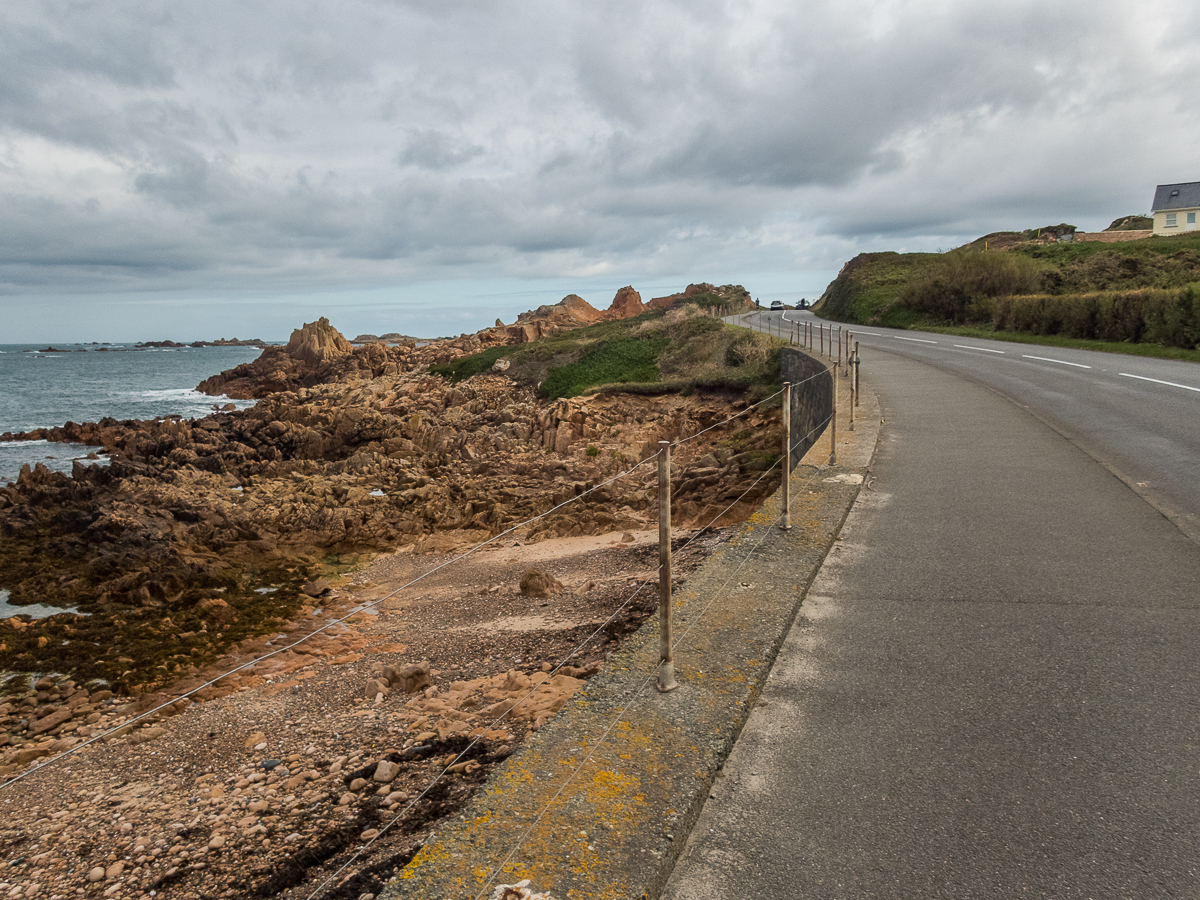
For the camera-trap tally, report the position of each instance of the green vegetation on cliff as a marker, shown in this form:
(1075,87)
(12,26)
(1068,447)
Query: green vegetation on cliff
(676,350)
(1134,291)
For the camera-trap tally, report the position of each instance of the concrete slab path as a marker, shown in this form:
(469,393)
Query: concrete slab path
(992,689)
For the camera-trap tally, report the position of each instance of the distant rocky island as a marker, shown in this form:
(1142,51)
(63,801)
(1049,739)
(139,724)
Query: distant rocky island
(157,345)
(390,338)
(220,342)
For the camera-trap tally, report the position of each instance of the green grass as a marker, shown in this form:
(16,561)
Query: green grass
(621,360)
(657,352)
(973,288)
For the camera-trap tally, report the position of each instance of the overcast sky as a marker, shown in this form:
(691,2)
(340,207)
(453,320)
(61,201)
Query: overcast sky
(200,169)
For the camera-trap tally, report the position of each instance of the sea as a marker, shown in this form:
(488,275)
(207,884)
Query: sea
(86,382)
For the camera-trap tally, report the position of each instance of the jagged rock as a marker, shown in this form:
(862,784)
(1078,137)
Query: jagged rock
(317,343)
(627,303)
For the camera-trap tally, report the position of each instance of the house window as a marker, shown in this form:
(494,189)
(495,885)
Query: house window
(1171,220)
(1191,219)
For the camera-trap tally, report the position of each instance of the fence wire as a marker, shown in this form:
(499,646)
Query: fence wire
(641,687)
(335,622)
(499,720)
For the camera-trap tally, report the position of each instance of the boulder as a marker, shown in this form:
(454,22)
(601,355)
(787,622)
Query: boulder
(411,678)
(536,583)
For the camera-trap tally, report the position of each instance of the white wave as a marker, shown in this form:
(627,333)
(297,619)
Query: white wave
(169,394)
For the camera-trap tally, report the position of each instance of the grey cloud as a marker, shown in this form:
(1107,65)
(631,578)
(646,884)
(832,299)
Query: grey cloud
(432,149)
(250,142)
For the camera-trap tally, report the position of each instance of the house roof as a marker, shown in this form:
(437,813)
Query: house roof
(1177,196)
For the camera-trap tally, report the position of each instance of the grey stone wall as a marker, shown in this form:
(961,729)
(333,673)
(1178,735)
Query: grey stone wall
(812,399)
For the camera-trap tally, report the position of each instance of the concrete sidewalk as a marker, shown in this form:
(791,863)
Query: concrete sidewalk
(599,803)
(993,689)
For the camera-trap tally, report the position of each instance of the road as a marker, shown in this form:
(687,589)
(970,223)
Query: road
(992,689)
(1137,416)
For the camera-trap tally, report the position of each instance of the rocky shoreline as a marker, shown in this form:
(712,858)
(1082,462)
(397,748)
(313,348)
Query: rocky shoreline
(320,757)
(207,544)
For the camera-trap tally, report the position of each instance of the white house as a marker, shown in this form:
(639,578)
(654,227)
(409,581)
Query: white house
(1175,207)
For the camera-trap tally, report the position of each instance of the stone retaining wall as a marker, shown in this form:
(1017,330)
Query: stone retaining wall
(812,399)
(1112,237)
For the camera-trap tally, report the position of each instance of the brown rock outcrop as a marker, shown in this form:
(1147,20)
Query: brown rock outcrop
(318,343)
(626,304)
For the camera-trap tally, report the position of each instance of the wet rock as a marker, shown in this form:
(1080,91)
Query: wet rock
(316,588)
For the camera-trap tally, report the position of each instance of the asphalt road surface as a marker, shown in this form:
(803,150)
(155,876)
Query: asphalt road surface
(993,688)
(1138,416)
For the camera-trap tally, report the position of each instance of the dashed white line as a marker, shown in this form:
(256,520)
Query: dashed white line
(983,349)
(1061,362)
(865,334)
(915,340)
(1157,381)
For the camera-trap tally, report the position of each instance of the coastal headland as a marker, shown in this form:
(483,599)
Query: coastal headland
(209,543)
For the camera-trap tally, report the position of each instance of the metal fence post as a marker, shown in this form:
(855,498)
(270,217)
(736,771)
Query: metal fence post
(857,363)
(849,372)
(666,661)
(786,524)
(833,421)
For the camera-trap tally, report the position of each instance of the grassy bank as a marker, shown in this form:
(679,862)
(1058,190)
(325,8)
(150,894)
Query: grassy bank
(673,351)
(1137,292)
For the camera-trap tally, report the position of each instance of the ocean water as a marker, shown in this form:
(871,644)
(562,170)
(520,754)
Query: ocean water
(85,384)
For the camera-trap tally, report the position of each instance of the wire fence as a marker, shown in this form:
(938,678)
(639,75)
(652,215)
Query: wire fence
(448,767)
(124,726)
(640,688)
(501,718)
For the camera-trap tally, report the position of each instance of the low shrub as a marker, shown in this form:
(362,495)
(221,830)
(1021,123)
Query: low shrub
(961,286)
(1167,317)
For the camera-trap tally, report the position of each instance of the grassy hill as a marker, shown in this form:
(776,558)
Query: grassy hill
(679,349)
(1135,291)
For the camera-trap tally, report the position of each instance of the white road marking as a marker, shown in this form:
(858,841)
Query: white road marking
(866,334)
(1061,362)
(1156,381)
(984,349)
(914,340)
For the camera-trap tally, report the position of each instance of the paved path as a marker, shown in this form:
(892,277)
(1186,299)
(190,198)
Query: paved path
(993,689)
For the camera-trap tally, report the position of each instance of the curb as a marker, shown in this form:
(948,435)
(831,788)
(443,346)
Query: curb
(599,803)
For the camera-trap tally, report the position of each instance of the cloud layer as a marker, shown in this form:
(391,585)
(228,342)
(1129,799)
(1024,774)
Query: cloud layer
(306,144)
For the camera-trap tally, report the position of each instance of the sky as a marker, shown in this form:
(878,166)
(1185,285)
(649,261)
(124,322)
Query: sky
(234,168)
